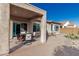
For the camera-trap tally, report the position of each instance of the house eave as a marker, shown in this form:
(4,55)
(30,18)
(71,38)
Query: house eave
(30,7)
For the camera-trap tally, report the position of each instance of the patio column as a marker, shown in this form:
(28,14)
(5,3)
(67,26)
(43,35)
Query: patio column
(4,28)
(53,27)
(30,27)
(59,28)
(43,29)
(11,29)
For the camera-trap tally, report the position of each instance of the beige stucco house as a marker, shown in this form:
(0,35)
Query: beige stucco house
(53,27)
(15,16)
(68,24)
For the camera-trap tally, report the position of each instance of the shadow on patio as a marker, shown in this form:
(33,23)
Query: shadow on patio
(66,51)
(21,44)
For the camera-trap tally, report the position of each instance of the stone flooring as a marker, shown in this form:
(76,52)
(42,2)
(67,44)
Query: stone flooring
(56,46)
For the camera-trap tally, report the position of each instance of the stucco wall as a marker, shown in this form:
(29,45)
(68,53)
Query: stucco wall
(4,28)
(69,30)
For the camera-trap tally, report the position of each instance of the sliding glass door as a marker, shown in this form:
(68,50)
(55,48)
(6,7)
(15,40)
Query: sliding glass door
(16,29)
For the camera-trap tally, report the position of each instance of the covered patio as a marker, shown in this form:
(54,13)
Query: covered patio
(16,18)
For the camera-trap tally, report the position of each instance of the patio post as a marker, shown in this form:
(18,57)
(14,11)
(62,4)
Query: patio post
(4,28)
(43,28)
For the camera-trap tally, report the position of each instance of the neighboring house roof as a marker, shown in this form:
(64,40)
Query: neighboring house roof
(61,23)
(53,22)
(68,23)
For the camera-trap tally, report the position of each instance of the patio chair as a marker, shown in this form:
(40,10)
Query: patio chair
(21,38)
(36,35)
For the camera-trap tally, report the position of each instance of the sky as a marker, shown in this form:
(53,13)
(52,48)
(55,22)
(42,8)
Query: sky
(61,12)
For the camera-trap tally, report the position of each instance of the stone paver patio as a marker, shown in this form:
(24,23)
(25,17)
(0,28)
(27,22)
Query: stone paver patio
(56,45)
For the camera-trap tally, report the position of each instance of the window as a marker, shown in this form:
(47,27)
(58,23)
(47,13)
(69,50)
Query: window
(61,27)
(14,29)
(56,28)
(24,27)
(36,27)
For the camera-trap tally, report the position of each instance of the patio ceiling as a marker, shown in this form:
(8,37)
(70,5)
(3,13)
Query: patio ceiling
(18,12)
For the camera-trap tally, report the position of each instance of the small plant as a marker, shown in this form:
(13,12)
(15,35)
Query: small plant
(76,37)
(72,34)
(65,36)
(72,37)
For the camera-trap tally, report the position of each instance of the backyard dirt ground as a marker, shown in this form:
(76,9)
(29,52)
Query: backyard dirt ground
(56,46)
